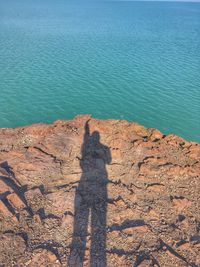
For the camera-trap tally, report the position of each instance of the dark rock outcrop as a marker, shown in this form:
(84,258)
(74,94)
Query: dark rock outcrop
(88,192)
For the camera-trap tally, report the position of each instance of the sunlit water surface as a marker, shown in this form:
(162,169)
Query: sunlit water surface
(138,61)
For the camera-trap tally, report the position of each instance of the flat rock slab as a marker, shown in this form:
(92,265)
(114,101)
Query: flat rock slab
(89,192)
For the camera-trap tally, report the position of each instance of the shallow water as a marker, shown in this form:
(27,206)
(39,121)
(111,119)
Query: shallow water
(138,61)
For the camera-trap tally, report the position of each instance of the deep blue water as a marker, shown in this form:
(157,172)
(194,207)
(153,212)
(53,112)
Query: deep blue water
(138,61)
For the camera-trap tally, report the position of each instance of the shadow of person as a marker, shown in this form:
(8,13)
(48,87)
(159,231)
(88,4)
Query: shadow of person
(91,199)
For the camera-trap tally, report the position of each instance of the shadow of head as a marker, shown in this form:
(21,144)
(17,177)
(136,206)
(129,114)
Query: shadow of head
(96,137)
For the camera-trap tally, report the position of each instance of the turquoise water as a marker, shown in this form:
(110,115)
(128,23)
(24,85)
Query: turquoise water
(138,61)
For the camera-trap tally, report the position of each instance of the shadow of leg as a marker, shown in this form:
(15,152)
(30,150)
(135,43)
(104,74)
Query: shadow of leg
(78,245)
(98,235)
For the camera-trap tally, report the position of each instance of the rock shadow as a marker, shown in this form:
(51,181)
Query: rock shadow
(91,203)
(14,186)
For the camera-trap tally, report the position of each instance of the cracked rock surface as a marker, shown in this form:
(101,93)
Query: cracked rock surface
(89,192)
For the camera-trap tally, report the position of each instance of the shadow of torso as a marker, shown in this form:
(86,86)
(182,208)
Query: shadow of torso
(93,183)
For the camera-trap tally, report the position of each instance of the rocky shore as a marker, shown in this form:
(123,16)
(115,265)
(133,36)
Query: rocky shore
(89,192)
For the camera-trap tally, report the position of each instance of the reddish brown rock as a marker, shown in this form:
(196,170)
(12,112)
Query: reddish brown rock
(180,203)
(15,201)
(44,258)
(98,193)
(4,210)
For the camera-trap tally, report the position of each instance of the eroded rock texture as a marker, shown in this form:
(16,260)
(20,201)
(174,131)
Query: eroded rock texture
(89,192)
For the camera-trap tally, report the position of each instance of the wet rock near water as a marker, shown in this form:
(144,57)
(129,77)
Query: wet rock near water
(89,192)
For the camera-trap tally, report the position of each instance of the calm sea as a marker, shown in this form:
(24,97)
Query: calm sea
(138,61)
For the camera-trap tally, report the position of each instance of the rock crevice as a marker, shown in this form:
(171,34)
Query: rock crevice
(89,192)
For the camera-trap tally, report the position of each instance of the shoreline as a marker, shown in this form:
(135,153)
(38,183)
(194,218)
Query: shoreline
(100,119)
